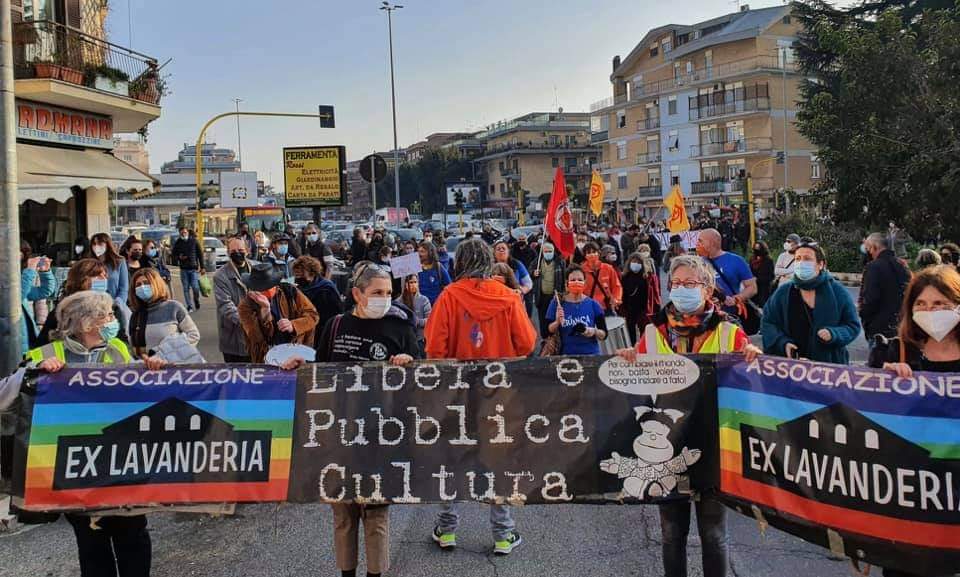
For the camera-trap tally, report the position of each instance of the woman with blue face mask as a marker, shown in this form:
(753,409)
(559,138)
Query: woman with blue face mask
(280,257)
(692,323)
(812,316)
(156,316)
(87,274)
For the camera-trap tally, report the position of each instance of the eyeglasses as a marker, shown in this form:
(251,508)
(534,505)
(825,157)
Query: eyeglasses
(689,284)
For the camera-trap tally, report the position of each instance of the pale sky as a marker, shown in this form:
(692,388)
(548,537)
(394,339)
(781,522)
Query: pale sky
(460,64)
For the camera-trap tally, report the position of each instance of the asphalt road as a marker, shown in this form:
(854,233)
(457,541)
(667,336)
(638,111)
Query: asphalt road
(296,540)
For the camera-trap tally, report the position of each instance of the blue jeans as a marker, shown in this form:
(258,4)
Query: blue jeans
(500,520)
(191,281)
(712,526)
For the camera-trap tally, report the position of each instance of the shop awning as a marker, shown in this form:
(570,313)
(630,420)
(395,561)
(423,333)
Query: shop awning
(46,172)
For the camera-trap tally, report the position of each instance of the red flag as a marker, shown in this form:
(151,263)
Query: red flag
(559,217)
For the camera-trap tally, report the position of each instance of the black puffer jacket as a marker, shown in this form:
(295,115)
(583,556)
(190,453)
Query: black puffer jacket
(884,284)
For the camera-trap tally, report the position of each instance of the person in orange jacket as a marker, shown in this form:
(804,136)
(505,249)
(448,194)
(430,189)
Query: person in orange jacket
(603,282)
(477,317)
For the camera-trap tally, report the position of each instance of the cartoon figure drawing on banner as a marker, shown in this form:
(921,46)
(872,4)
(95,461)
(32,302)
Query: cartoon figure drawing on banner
(655,471)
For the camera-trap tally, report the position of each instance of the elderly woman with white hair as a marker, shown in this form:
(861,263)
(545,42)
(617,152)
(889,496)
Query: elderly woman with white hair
(692,323)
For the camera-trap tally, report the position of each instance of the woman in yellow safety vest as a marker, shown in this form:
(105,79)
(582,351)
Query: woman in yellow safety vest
(692,323)
(88,334)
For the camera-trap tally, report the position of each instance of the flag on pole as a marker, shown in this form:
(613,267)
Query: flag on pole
(678,221)
(596,193)
(559,218)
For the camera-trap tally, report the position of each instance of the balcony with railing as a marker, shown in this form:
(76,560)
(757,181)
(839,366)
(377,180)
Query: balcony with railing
(510,172)
(59,65)
(746,99)
(649,123)
(599,137)
(740,146)
(639,92)
(651,157)
(539,146)
(651,191)
(577,170)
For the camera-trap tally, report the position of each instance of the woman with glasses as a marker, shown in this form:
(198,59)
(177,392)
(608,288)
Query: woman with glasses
(692,323)
(812,316)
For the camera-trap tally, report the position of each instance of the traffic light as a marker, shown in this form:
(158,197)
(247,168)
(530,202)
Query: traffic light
(458,199)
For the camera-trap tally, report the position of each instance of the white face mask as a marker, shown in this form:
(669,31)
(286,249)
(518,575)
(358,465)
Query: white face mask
(787,246)
(377,307)
(78,249)
(99,249)
(937,324)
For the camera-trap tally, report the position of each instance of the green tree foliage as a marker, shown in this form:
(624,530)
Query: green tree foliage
(882,105)
(424,181)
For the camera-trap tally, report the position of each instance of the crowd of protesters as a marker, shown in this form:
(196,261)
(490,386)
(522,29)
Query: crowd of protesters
(498,296)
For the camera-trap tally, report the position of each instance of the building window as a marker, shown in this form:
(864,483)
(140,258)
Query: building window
(621,181)
(676,71)
(673,141)
(621,118)
(502,166)
(145,424)
(554,162)
(813,429)
(621,150)
(653,177)
(871,439)
(786,19)
(493,189)
(667,44)
(840,435)
(672,105)
(503,188)
(674,175)
(735,168)
(654,50)
(170,423)
(814,167)
(710,171)
(593,160)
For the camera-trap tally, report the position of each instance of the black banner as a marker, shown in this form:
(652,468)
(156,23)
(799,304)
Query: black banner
(546,430)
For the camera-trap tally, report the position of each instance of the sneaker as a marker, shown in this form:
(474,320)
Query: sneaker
(445,540)
(506,546)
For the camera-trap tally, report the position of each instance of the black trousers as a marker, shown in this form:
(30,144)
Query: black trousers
(543,303)
(228,358)
(119,548)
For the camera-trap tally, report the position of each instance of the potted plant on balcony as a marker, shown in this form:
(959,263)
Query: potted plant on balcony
(68,73)
(108,79)
(46,69)
(148,87)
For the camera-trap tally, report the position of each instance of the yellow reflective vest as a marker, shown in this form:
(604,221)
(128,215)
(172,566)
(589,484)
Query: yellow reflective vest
(115,354)
(722,340)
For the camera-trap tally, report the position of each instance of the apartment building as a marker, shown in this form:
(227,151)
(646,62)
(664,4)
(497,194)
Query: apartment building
(75,91)
(523,154)
(132,152)
(461,144)
(701,105)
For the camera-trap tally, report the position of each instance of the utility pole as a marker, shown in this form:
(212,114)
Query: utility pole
(237,101)
(10,307)
(389,8)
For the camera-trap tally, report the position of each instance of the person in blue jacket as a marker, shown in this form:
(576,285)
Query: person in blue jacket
(33,268)
(118,280)
(434,277)
(812,316)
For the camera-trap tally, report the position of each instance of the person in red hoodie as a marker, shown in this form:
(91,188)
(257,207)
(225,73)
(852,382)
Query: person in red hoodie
(603,282)
(477,317)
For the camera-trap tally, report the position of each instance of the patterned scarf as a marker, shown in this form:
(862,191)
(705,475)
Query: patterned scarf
(683,330)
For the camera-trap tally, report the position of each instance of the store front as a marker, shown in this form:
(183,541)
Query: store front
(66,176)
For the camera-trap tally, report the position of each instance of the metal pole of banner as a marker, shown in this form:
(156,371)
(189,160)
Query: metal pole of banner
(10,307)
(786,159)
(199,149)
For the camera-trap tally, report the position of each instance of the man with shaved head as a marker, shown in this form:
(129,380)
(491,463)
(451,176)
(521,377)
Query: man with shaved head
(733,275)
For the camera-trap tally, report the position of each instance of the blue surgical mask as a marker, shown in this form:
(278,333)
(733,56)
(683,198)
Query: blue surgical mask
(110,330)
(636,267)
(99,285)
(313,237)
(548,256)
(144,292)
(282,249)
(805,270)
(686,300)
(863,249)
(152,252)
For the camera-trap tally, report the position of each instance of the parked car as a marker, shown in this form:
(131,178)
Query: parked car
(212,247)
(405,234)
(526,231)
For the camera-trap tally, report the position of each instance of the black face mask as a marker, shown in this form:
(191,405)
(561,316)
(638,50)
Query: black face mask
(135,255)
(238,257)
(301,282)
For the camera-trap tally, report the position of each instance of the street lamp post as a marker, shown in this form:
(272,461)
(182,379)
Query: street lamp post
(237,101)
(389,8)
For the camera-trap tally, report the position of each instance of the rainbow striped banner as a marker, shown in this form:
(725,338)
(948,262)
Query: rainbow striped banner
(105,437)
(851,458)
